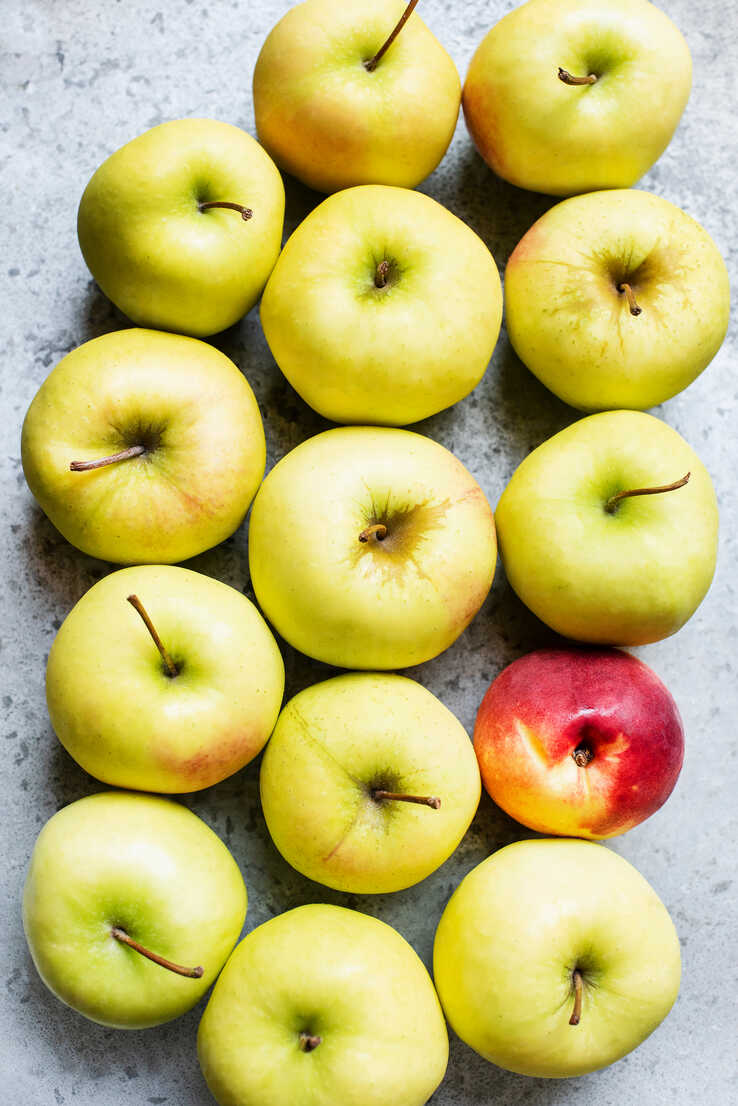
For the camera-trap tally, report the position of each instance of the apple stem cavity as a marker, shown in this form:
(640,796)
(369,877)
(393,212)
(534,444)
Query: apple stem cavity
(372,64)
(424,800)
(308,1042)
(568,78)
(635,310)
(246,212)
(614,500)
(378,531)
(138,605)
(122,936)
(576,1013)
(124,455)
(380,276)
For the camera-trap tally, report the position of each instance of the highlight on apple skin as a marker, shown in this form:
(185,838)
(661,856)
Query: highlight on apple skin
(579,742)
(323,1005)
(371,547)
(555,957)
(181,226)
(608,530)
(144,447)
(163,679)
(616,299)
(383,307)
(368,783)
(131,907)
(570,96)
(334,113)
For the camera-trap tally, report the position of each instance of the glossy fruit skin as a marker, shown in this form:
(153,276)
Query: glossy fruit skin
(333,973)
(155,254)
(552,703)
(125,720)
(150,866)
(541,134)
(337,741)
(371,604)
(331,123)
(572,326)
(513,933)
(196,415)
(390,355)
(624,578)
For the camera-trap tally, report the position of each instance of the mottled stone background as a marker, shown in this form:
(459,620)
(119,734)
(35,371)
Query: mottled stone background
(80,78)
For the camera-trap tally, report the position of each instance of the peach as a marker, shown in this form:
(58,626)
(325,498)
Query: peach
(579,742)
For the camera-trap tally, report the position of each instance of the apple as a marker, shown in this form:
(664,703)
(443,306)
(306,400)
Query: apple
(608,531)
(567,96)
(371,547)
(383,307)
(368,783)
(323,1005)
(161,679)
(350,93)
(555,958)
(181,227)
(131,907)
(616,299)
(144,447)
(579,742)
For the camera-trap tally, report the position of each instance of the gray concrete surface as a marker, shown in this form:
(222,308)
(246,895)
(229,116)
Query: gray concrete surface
(80,78)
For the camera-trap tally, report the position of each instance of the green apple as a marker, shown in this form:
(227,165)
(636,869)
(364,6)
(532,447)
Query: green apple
(368,783)
(555,957)
(567,96)
(144,447)
(348,94)
(383,307)
(608,531)
(371,547)
(131,907)
(616,299)
(176,713)
(323,1006)
(181,227)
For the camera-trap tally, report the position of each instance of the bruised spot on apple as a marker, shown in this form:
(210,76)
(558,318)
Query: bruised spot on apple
(579,742)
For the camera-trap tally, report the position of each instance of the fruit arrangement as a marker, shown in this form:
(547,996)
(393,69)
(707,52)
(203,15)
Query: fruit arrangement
(371,549)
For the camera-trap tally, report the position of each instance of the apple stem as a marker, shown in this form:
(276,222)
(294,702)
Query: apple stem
(372,64)
(567,78)
(613,501)
(378,529)
(246,212)
(122,936)
(124,455)
(308,1042)
(380,277)
(635,310)
(424,800)
(138,605)
(582,756)
(577,1011)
